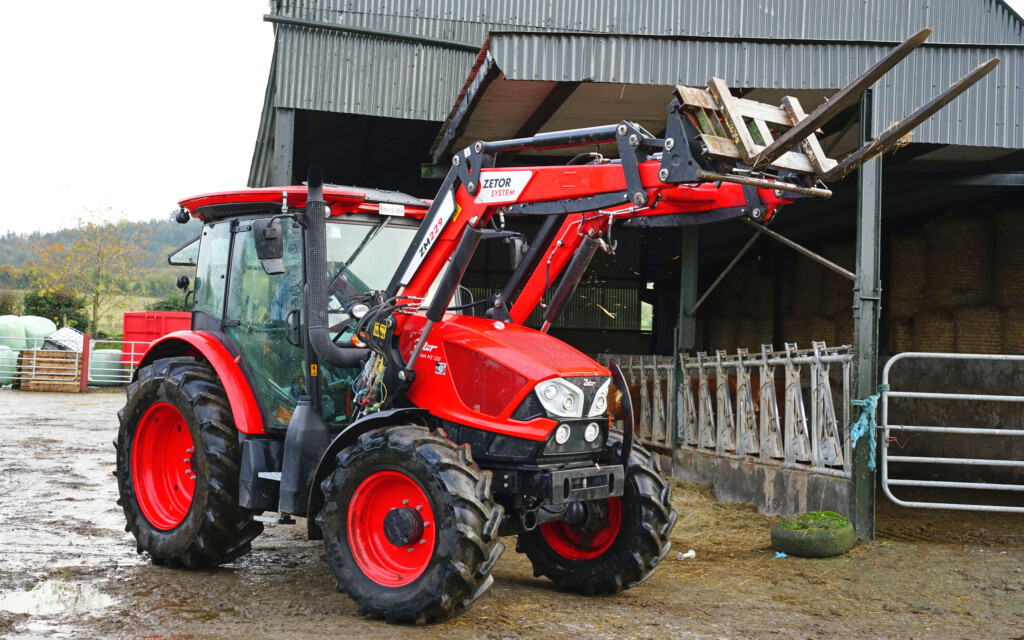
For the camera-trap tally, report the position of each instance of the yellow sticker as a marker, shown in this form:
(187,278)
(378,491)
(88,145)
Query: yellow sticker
(312,370)
(379,330)
(455,215)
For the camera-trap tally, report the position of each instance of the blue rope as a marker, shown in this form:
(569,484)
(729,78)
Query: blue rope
(867,423)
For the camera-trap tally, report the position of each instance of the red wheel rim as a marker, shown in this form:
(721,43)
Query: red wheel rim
(162,472)
(575,545)
(386,563)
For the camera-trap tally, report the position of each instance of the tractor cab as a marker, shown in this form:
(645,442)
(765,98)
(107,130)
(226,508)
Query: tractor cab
(248,285)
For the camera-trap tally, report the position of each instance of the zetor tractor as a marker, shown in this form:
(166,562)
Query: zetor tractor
(333,373)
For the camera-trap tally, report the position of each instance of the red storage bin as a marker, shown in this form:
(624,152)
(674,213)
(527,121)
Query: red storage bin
(147,326)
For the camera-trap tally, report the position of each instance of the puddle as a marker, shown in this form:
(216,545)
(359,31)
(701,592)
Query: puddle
(53,597)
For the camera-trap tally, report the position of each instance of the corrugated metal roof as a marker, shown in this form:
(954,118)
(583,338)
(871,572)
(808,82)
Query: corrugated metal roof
(328,70)
(987,115)
(348,73)
(954,21)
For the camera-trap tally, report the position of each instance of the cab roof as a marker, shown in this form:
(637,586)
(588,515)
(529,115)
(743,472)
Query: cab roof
(341,200)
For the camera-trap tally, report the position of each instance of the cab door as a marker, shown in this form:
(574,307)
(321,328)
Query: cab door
(263,318)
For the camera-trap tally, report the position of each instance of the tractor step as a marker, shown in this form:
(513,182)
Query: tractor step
(275,518)
(270,475)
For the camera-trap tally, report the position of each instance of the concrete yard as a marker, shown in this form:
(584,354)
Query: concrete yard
(68,569)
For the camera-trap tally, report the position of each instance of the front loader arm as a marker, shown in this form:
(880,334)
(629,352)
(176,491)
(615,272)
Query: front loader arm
(721,157)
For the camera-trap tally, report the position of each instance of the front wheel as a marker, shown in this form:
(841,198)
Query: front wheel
(621,542)
(177,470)
(409,525)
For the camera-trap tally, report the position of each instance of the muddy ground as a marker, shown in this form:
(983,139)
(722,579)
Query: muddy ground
(67,569)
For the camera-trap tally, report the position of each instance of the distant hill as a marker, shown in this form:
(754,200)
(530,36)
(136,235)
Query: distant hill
(159,237)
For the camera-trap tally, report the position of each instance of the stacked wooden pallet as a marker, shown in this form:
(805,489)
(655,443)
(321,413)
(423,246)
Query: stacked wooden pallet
(49,371)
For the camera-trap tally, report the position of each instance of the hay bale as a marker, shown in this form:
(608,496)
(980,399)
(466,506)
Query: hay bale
(820,329)
(758,296)
(1009,268)
(1013,330)
(960,261)
(934,331)
(901,335)
(978,330)
(807,286)
(796,329)
(836,290)
(907,276)
(843,322)
(803,330)
(722,334)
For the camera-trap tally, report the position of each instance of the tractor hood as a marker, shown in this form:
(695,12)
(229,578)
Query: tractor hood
(536,355)
(476,371)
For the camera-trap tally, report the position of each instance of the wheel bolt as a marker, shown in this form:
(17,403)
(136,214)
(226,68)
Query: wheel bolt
(409,549)
(419,507)
(405,502)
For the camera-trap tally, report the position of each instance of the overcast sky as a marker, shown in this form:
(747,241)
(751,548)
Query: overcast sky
(128,105)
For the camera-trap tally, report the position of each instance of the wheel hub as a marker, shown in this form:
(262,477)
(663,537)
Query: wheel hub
(403,526)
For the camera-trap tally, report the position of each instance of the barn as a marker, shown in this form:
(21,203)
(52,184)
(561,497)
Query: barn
(921,252)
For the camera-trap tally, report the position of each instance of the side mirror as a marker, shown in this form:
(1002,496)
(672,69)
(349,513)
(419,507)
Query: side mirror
(183,283)
(269,245)
(517,248)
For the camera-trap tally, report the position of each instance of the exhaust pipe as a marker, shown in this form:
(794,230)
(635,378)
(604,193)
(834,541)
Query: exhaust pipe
(316,279)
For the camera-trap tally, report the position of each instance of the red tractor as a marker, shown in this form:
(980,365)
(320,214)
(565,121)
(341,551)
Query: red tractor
(332,373)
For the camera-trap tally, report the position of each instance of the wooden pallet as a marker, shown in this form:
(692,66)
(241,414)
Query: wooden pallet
(49,371)
(738,130)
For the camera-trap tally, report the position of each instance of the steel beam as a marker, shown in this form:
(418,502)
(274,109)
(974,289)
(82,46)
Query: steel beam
(284,146)
(686,331)
(866,308)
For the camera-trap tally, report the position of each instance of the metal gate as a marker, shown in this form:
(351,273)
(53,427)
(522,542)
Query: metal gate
(888,429)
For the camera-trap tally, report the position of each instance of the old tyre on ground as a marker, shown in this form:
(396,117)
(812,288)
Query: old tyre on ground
(820,534)
(178,465)
(409,524)
(625,538)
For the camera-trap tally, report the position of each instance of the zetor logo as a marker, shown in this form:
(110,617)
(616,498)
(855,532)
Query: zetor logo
(496,183)
(502,186)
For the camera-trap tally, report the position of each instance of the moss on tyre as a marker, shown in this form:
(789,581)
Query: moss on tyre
(410,526)
(618,551)
(819,534)
(178,467)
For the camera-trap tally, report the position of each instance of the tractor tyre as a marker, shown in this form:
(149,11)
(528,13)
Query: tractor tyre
(178,461)
(410,526)
(621,548)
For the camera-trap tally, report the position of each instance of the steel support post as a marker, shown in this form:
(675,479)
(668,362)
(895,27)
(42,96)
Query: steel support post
(686,329)
(284,147)
(867,294)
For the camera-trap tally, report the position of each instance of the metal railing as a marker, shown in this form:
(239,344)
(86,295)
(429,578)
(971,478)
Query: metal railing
(887,429)
(33,364)
(778,409)
(120,371)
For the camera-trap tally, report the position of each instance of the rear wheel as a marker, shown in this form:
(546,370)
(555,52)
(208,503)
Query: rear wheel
(178,467)
(621,542)
(409,525)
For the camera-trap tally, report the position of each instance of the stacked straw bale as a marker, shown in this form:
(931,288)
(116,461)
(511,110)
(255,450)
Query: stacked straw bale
(960,262)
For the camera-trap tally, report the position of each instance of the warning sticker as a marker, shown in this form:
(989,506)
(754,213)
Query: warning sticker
(502,186)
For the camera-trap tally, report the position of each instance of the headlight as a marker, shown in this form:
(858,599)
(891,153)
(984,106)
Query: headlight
(591,432)
(562,434)
(358,310)
(600,403)
(561,398)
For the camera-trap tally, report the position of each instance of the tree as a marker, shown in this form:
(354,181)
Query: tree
(96,261)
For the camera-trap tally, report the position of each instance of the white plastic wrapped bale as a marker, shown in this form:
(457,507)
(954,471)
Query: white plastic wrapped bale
(12,332)
(8,365)
(107,368)
(36,329)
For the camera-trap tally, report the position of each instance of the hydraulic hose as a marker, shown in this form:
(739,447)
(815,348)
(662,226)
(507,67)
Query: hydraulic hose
(316,279)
